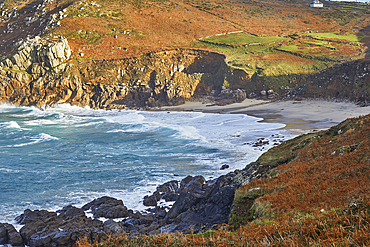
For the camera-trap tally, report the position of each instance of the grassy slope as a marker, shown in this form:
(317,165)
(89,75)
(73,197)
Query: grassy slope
(305,200)
(165,24)
(292,38)
(318,196)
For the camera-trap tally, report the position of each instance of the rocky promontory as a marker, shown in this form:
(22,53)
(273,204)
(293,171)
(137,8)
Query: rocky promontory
(41,73)
(198,204)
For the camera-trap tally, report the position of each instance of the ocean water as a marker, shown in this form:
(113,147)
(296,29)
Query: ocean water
(70,155)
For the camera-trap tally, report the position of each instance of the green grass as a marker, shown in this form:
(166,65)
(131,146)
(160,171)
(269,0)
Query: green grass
(88,36)
(250,58)
(244,39)
(285,68)
(320,43)
(292,48)
(300,49)
(352,7)
(335,36)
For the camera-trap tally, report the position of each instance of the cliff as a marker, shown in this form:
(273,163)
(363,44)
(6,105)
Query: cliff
(133,54)
(348,81)
(41,73)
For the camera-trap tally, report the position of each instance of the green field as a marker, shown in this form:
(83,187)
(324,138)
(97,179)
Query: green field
(334,36)
(275,59)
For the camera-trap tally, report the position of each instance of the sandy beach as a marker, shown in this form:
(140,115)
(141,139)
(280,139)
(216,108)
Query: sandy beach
(298,116)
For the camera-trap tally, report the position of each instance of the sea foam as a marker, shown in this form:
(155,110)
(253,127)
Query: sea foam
(71,155)
(42,137)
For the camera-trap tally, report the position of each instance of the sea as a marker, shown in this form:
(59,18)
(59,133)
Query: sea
(68,155)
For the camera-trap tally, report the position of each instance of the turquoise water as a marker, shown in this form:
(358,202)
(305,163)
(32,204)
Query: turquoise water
(69,155)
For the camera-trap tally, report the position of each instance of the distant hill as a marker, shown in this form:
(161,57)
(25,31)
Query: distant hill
(270,46)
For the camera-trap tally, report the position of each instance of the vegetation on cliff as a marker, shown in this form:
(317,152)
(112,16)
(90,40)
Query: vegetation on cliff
(138,53)
(276,47)
(318,196)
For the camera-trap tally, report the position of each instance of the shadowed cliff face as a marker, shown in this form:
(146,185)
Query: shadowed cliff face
(40,74)
(350,81)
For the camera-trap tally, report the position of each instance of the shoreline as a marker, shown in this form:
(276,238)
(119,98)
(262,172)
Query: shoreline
(190,192)
(298,116)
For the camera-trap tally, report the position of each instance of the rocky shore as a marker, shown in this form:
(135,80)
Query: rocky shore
(198,203)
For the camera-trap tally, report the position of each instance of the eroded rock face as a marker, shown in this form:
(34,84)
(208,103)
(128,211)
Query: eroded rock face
(42,74)
(8,235)
(107,207)
(64,228)
(35,55)
(347,81)
(199,203)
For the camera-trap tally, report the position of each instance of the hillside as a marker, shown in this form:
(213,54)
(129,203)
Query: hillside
(272,49)
(96,27)
(315,192)
(116,54)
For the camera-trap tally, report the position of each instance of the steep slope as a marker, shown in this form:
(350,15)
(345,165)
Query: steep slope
(48,45)
(311,190)
(40,74)
(320,192)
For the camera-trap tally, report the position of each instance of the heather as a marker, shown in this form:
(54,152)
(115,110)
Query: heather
(320,197)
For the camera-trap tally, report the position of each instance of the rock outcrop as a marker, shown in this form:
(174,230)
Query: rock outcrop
(63,228)
(198,203)
(107,207)
(37,56)
(42,73)
(8,235)
(206,204)
(348,81)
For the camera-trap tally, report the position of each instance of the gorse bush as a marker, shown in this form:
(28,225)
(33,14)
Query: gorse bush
(336,227)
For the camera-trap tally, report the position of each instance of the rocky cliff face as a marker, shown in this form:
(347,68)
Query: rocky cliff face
(41,73)
(348,81)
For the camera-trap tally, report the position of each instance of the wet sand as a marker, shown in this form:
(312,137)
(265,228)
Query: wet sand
(298,116)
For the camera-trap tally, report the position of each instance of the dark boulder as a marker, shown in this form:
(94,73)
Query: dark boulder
(9,235)
(168,186)
(71,211)
(107,207)
(152,200)
(62,229)
(170,196)
(29,216)
(170,191)
(166,191)
(224,167)
(190,183)
(185,181)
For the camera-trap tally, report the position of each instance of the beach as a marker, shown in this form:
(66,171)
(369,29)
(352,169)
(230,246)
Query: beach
(298,116)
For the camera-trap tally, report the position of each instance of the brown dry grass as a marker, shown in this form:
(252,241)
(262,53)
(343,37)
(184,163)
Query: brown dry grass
(321,198)
(175,23)
(168,24)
